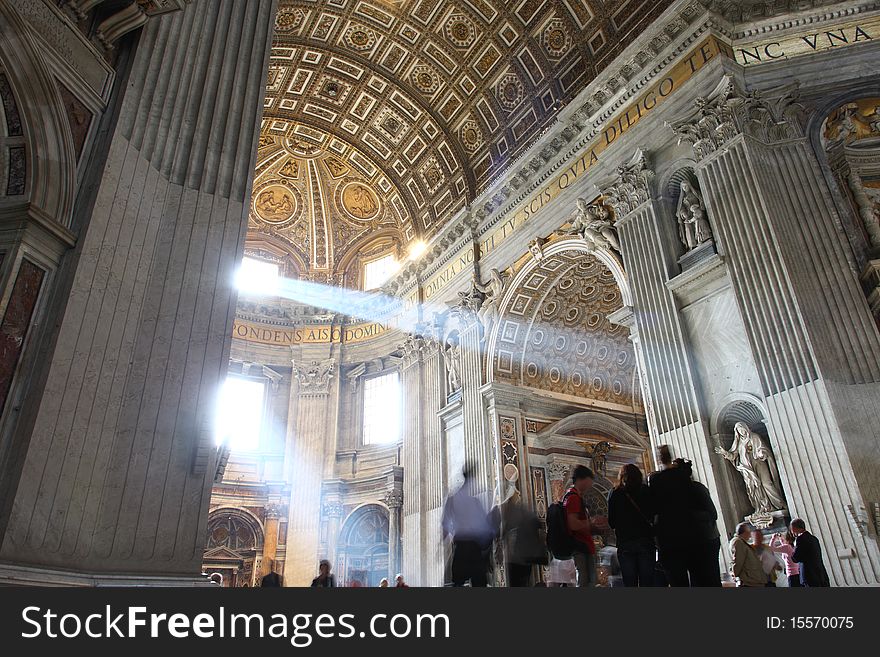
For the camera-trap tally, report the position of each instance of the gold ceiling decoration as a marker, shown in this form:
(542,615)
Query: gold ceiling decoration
(317,202)
(440,96)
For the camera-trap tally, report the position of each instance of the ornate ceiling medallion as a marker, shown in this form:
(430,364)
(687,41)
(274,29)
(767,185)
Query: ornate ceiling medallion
(509,91)
(287,20)
(460,31)
(359,201)
(471,136)
(276,204)
(425,79)
(360,38)
(555,39)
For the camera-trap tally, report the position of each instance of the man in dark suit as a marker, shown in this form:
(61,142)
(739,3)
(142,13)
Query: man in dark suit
(808,553)
(271,579)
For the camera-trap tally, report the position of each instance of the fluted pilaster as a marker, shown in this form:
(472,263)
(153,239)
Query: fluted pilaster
(316,385)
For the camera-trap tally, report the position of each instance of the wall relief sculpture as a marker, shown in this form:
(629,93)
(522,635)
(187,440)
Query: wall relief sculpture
(592,222)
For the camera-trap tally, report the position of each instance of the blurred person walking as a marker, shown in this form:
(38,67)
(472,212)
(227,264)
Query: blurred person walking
(466,522)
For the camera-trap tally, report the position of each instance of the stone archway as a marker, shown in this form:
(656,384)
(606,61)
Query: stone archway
(553,331)
(233,547)
(363,547)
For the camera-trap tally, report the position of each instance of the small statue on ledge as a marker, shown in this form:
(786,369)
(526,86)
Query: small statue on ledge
(693,228)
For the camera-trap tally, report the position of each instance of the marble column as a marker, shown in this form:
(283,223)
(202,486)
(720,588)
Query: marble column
(394,501)
(423,461)
(270,540)
(413,520)
(478,444)
(811,332)
(332,513)
(671,399)
(316,384)
(115,437)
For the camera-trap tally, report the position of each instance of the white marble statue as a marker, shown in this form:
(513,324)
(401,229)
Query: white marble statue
(452,354)
(593,224)
(493,291)
(693,228)
(752,458)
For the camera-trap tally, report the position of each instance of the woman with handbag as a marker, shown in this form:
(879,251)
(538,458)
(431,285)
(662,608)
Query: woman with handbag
(629,514)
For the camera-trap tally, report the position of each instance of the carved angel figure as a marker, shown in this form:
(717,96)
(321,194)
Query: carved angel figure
(493,290)
(598,455)
(593,223)
(752,458)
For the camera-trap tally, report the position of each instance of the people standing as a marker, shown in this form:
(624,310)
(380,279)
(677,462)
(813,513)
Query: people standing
(808,555)
(524,545)
(629,515)
(747,564)
(580,525)
(271,579)
(767,557)
(324,580)
(399,582)
(465,520)
(685,521)
(383,583)
(785,547)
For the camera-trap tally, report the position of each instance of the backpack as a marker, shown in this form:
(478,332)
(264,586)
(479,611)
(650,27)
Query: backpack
(559,541)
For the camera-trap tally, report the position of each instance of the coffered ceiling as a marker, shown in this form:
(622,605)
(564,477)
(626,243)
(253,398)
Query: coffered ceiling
(438,96)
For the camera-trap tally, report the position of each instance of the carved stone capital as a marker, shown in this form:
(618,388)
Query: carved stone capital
(315,377)
(332,509)
(729,111)
(393,499)
(412,349)
(631,187)
(273,511)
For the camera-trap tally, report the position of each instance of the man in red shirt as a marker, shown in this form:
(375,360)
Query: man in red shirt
(580,526)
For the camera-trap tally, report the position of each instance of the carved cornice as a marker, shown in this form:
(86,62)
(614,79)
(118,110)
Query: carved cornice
(631,187)
(729,111)
(315,377)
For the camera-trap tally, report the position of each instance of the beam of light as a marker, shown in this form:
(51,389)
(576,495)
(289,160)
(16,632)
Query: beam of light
(417,249)
(239,415)
(258,277)
(365,306)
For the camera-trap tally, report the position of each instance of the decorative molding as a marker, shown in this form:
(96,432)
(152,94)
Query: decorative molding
(393,499)
(315,377)
(631,188)
(729,111)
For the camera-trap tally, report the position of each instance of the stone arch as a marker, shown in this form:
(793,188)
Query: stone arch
(845,134)
(535,306)
(598,422)
(50,160)
(238,517)
(362,552)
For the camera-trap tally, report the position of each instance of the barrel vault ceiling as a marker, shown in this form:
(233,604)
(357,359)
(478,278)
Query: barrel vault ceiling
(421,103)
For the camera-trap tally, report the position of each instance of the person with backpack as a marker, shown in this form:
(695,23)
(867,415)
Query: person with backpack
(629,514)
(579,526)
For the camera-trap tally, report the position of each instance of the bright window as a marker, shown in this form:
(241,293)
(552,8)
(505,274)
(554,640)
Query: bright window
(258,276)
(240,413)
(382,409)
(376,272)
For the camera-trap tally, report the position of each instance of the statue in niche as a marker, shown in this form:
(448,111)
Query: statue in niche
(693,227)
(592,222)
(752,458)
(452,355)
(493,291)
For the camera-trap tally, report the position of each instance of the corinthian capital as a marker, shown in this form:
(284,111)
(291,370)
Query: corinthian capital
(631,187)
(315,377)
(729,111)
